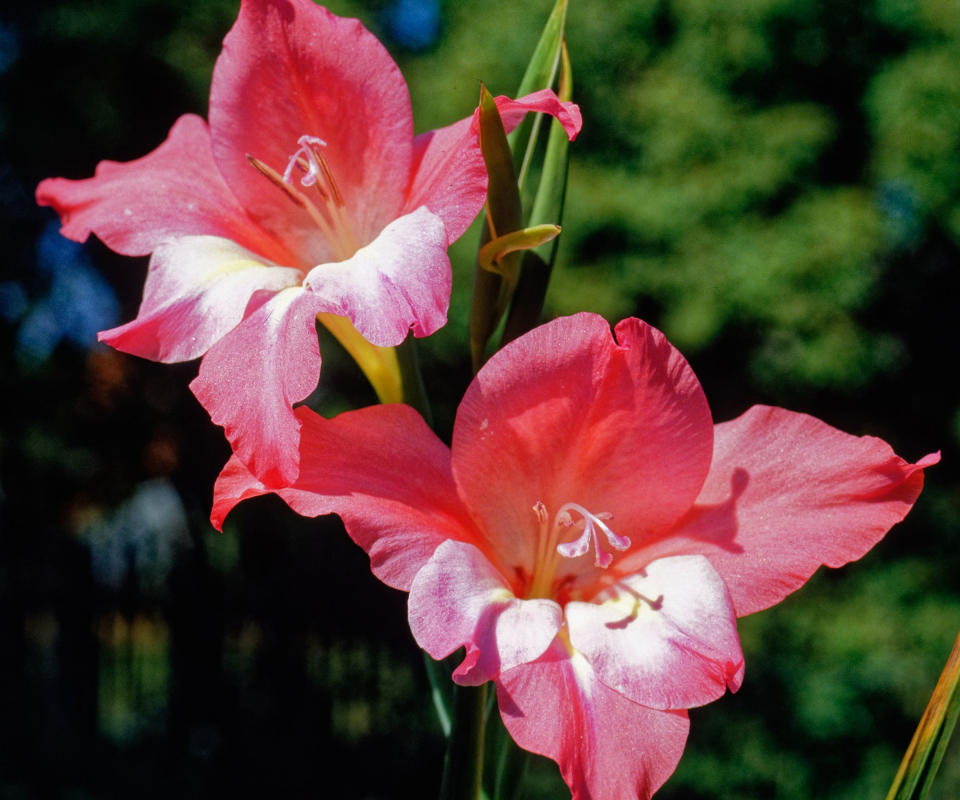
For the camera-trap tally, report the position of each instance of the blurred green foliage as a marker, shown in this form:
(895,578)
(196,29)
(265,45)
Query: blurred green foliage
(774,183)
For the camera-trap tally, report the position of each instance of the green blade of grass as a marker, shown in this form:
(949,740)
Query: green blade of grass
(540,74)
(547,208)
(922,759)
(491,291)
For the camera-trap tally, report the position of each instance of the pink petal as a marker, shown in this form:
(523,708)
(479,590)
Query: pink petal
(606,745)
(251,378)
(397,501)
(291,68)
(459,600)
(198,289)
(174,191)
(565,414)
(543,101)
(665,637)
(449,176)
(787,493)
(399,281)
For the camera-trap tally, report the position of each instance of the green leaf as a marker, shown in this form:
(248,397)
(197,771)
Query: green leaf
(491,292)
(540,74)
(922,759)
(552,190)
(504,213)
(548,204)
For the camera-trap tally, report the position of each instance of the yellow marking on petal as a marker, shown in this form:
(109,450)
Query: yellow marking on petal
(628,604)
(379,364)
(230,265)
(564,638)
(501,595)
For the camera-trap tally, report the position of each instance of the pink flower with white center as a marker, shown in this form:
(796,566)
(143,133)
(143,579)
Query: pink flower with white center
(591,536)
(307,194)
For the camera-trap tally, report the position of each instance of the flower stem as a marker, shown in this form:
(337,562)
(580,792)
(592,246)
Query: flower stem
(463,766)
(922,759)
(510,764)
(414,391)
(441,692)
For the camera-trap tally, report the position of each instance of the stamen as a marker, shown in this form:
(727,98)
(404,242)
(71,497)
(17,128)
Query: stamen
(591,522)
(329,214)
(309,158)
(296,195)
(305,166)
(276,179)
(541,511)
(337,197)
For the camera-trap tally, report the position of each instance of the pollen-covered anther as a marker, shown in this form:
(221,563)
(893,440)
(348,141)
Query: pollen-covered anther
(591,522)
(541,511)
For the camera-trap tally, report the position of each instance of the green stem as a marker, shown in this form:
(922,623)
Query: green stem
(922,759)
(463,767)
(414,391)
(441,691)
(510,766)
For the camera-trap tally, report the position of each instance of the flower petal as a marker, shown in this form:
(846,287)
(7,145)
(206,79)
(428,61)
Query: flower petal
(665,637)
(399,281)
(544,101)
(449,176)
(174,191)
(382,470)
(250,379)
(618,428)
(606,745)
(787,493)
(290,68)
(198,289)
(459,600)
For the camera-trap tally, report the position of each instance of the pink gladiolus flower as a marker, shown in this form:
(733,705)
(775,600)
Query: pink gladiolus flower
(591,536)
(306,194)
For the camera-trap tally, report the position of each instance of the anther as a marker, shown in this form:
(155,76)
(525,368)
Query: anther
(541,511)
(277,180)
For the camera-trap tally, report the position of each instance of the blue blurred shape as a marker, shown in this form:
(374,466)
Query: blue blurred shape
(39,333)
(83,303)
(13,300)
(415,24)
(143,535)
(80,302)
(9,46)
(898,204)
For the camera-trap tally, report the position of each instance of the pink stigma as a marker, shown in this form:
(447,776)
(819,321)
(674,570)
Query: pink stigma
(307,159)
(591,522)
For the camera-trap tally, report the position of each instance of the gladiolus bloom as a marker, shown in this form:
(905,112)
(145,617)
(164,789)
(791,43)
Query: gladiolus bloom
(591,536)
(307,194)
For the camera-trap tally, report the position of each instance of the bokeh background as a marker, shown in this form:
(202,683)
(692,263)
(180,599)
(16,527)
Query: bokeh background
(774,183)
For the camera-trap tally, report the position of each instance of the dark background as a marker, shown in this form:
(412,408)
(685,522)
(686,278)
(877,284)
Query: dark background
(775,184)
